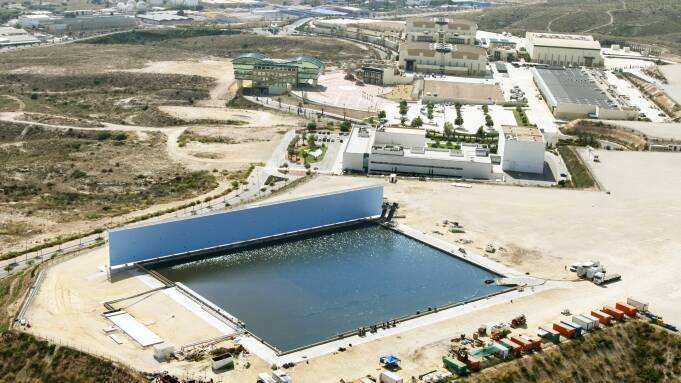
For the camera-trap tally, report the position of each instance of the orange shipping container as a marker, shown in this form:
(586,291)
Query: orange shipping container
(602,317)
(534,341)
(617,314)
(473,363)
(517,349)
(524,344)
(628,309)
(565,331)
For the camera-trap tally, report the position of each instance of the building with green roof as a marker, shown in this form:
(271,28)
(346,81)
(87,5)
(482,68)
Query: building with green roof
(257,74)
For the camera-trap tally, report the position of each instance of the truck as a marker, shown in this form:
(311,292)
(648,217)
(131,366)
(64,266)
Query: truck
(602,278)
(639,304)
(586,323)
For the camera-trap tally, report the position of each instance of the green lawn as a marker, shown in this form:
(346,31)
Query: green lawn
(311,160)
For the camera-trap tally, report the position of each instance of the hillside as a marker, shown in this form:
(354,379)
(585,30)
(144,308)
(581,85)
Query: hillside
(633,352)
(633,21)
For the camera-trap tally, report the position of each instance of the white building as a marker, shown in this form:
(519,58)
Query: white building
(564,50)
(441,45)
(572,93)
(521,149)
(404,151)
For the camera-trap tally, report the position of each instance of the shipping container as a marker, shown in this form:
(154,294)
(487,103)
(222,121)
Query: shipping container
(565,331)
(593,319)
(549,334)
(578,328)
(503,350)
(515,348)
(455,365)
(628,309)
(602,317)
(524,344)
(535,342)
(473,363)
(587,324)
(615,313)
(639,304)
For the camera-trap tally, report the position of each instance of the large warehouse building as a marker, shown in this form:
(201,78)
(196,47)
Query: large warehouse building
(571,93)
(404,151)
(564,50)
(441,45)
(266,76)
(521,149)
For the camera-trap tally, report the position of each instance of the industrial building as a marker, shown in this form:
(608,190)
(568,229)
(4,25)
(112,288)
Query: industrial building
(571,93)
(15,37)
(502,50)
(163,18)
(75,22)
(266,76)
(441,45)
(564,50)
(521,149)
(388,75)
(404,151)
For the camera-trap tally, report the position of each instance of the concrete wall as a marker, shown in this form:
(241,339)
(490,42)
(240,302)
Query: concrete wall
(522,156)
(171,237)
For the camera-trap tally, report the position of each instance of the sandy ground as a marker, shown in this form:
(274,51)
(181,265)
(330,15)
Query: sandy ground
(335,90)
(246,116)
(633,230)
(220,70)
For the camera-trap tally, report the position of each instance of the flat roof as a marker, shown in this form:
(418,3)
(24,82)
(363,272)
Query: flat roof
(562,40)
(572,86)
(523,133)
(466,153)
(360,143)
(162,16)
(416,132)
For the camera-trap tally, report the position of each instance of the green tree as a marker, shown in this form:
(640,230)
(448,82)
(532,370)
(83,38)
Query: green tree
(345,126)
(403,121)
(403,108)
(429,107)
(417,122)
(458,121)
(311,126)
(488,120)
(485,109)
(311,141)
(480,133)
(381,114)
(448,130)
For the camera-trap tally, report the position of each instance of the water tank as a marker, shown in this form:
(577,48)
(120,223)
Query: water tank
(121,6)
(141,6)
(130,7)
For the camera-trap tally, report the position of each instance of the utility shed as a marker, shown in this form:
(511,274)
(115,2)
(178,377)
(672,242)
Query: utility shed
(521,149)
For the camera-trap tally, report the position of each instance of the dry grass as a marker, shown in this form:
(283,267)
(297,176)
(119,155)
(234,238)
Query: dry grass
(632,352)
(88,174)
(629,138)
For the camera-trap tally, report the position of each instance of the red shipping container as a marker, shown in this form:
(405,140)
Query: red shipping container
(535,341)
(565,331)
(524,344)
(617,314)
(602,317)
(473,363)
(628,309)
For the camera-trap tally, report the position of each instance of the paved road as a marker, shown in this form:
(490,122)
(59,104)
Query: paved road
(244,194)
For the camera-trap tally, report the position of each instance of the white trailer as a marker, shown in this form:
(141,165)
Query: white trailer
(389,377)
(595,320)
(639,304)
(586,323)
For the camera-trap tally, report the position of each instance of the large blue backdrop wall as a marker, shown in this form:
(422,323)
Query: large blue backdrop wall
(139,243)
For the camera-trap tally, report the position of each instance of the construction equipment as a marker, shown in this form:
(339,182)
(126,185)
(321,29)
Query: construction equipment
(602,278)
(519,321)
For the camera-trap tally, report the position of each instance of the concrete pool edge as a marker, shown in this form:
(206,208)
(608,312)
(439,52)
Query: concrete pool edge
(271,354)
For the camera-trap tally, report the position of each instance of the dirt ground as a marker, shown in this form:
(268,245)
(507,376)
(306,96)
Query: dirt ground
(633,231)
